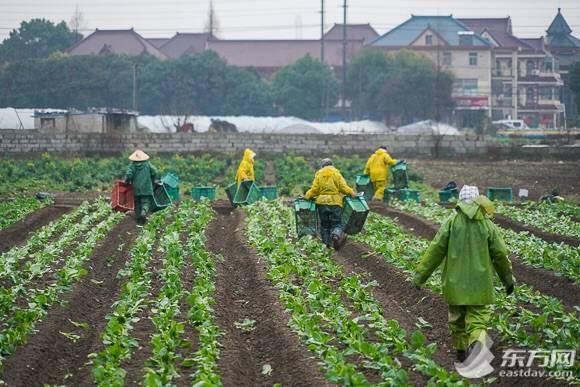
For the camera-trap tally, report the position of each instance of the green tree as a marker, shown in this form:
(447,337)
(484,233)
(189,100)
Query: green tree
(365,78)
(297,88)
(36,39)
(403,85)
(247,94)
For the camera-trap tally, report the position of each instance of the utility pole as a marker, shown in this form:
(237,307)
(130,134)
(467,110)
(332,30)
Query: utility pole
(343,97)
(322,31)
(134,86)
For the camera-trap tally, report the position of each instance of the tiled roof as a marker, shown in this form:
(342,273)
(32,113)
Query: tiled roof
(446,26)
(353,32)
(126,42)
(279,53)
(559,25)
(157,42)
(500,30)
(185,43)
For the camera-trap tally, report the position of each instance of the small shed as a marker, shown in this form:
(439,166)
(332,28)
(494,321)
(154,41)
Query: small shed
(90,121)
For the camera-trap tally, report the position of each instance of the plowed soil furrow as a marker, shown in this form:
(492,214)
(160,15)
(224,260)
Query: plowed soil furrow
(542,280)
(506,222)
(403,302)
(243,292)
(51,358)
(17,233)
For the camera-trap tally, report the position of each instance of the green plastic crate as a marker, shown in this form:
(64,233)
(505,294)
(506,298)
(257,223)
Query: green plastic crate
(269,193)
(390,194)
(364,184)
(171,183)
(354,214)
(247,193)
(306,217)
(445,196)
(231,192)
(161,198)
(399,174)
(500,194)
(409,194)
(203,192)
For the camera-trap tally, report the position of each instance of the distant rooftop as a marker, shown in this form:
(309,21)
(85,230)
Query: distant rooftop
(447,27)
(362,32)
(185,43)
(560,34)
(126,42)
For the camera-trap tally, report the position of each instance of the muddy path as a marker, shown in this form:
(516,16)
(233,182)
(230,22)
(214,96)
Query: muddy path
(542,280)
(51,358)
(17,233)
(402,301)
(243,292)
(506,222)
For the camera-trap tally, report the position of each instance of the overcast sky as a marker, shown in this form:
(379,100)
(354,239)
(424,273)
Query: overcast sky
(278,18)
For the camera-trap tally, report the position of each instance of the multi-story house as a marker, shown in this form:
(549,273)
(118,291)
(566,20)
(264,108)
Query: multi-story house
(451,46)
(566,48)
(525,83)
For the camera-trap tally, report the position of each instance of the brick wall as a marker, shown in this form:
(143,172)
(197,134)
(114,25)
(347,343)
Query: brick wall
(24,141)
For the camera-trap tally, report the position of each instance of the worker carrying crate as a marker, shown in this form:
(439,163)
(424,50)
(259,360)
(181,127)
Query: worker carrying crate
(148,193)
(377,168)
(328,189)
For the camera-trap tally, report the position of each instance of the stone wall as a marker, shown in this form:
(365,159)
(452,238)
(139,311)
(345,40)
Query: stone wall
(24,141)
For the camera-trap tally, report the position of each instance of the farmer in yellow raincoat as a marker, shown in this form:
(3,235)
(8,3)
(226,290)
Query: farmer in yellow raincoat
(329,187)
(472,251)
(246,168)
(377,167)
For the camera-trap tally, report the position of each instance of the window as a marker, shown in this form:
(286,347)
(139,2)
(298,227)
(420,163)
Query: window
(429,40)
(473,58)
(530,96)
(446,58)
(47,123)
(465,88)
(546,93)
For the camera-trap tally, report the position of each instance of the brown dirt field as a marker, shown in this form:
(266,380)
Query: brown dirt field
(18,232)
(49,356)
(242,291)
(547,236)
(403,302)
(543,280)
(538,177)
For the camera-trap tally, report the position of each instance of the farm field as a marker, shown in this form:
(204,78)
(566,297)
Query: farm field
(204,294)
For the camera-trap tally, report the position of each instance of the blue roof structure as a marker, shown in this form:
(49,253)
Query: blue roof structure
(447,27)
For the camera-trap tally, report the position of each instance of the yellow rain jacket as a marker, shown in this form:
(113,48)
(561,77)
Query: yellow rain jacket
(246,168)
(377,166)
(328,187)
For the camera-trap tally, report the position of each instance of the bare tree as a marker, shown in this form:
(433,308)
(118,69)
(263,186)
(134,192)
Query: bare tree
(212,25)
(77,21)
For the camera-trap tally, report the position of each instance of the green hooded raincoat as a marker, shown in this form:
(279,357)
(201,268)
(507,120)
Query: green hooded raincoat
(471,250)
(141,175)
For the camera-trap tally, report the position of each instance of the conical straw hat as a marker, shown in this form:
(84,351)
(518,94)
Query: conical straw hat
(139,155)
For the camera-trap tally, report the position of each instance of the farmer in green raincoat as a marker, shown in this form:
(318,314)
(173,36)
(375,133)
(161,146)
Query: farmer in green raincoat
(141,175)
(471,250)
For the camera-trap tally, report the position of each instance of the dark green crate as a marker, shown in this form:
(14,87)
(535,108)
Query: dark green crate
(203,192)
(161,198)
(306,217)
(364,184)
(171,183)
(354,214)
(390,194)
(269,193)
(399,175)
(446,196)
(247,193)
(409,194)
(231,192)
(501,194)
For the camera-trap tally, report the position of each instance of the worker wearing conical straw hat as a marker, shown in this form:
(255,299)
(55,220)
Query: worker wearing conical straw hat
(141,175)
(470,249)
